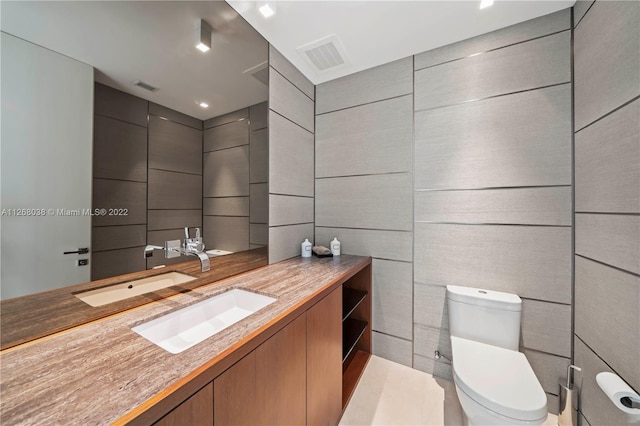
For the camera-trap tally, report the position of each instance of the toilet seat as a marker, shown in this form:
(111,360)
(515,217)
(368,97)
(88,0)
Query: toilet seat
(499,379)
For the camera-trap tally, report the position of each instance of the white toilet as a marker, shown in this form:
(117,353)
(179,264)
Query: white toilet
(494,382)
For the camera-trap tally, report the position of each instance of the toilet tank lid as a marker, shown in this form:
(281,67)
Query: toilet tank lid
(482,297)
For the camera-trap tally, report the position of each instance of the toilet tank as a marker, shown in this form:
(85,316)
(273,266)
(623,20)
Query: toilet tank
(485,316)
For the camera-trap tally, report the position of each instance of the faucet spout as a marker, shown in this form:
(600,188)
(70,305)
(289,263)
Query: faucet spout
(204,259)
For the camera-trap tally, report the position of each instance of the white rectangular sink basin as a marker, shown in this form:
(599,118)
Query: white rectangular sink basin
(182,329)
(116,292)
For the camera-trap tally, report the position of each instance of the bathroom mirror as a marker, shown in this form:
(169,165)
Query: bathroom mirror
(142,62)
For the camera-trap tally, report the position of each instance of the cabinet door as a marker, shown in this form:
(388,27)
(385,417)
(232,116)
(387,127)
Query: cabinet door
(197,410)
(281,376)
(235,393)
(324,360)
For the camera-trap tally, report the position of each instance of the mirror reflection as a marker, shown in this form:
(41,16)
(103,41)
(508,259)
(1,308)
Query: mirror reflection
(117,133)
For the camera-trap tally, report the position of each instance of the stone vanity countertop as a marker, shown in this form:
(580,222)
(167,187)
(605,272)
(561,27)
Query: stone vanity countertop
(23,319)
(102,371)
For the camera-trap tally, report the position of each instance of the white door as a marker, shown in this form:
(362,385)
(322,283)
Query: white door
(45,158)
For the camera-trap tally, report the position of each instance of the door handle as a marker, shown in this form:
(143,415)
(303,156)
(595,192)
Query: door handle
(83,250)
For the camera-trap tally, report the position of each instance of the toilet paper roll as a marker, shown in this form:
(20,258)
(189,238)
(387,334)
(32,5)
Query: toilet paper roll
(616,389)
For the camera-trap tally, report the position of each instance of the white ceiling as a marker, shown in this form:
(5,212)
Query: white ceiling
(377,32)
(152,41)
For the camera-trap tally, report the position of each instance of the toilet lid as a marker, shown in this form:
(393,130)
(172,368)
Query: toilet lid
(500,379)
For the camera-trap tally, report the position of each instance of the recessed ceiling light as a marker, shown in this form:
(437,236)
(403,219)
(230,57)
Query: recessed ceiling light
(485,3)
(203,36)
(267,9)
(204,104)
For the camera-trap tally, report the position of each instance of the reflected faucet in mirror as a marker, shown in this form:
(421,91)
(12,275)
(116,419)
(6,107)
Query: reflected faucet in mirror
(190,247)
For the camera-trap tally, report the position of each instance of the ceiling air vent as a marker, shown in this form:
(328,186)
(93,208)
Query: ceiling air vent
(325,53)
(260,72)
(145,86)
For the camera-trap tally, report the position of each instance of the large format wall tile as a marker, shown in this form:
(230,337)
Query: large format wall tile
(118,237)
(612,239)
(382,82)
(375,201)
(430,305)
(551,370)
(226,206)
(392,245)
(596,406)
(606,59)
(226,172)
(174,147)
(537,63)
(580,8)
(373,138)
(227,135)
(516,140)
(607,310)
(227,118)
(392,298)
(288,101)
(523,206)
(531,261)
(290,72)
(117,262)
(607,156)
(119,150)
(258,116)
(226,233)
(119,105)
(259,156)
(546,327)
(119,194)
(288,210)
(172,219)
(259,204)
(429,339)
(258,234)
(284,241)
(392,348)
(173,191)
(524,31)
(291,158)
(174,116)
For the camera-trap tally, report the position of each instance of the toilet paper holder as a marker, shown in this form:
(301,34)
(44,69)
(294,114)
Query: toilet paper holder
(621,394)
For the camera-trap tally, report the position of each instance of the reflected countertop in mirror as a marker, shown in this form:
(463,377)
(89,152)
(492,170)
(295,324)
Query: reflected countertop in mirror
(38,315)
(159,155)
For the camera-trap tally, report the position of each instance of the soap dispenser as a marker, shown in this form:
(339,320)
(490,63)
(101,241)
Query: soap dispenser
(306,248)
(335,247)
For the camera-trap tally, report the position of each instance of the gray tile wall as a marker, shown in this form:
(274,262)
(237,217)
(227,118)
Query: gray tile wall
(493,176)
(480,196)
(290,175)
(607,197)
(364,180)
(174,195)
(235,180)
(119,181)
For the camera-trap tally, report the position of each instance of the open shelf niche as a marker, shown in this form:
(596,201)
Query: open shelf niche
(356,330)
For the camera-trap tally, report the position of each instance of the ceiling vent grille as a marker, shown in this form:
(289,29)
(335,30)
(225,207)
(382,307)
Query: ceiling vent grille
(260,72)
(324,54)
(145,86)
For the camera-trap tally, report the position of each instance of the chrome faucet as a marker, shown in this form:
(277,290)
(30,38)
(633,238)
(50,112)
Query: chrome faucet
(195,247)
(190,247)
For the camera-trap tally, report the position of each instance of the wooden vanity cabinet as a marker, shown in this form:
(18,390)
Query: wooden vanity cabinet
(303,374)
(197,410)
(293,378)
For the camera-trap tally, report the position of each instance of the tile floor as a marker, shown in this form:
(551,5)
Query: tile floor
(392,394)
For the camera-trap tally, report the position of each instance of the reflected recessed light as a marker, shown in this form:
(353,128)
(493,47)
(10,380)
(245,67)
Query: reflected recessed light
(485,3)
(203,36)
(268,9)
(204,104)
